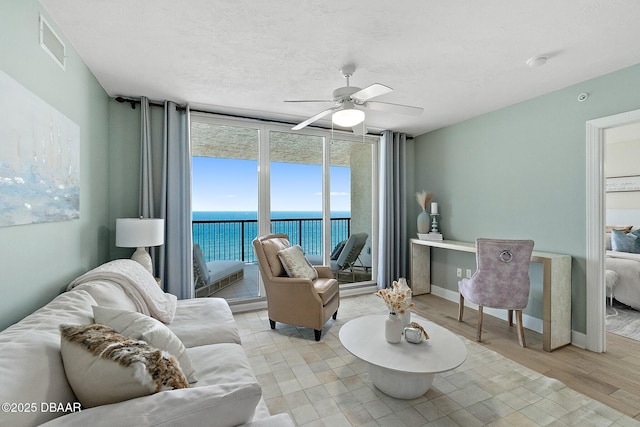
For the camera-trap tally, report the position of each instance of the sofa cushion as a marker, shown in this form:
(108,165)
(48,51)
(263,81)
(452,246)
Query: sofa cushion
(220,405)
(202,321)
(271,248)
(30,365)
(141,327)
(625,242)
(105,367)
(326,288)
(296,264)
(223,363)
(108,294)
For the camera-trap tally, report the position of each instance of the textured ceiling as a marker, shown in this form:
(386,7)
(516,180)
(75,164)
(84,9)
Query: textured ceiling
(456,59)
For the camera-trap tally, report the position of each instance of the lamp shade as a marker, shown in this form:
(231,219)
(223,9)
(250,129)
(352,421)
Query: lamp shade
(347,117)
(139,232)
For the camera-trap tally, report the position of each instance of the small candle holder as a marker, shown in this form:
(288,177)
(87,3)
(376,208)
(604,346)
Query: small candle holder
(434,223)
(434,234)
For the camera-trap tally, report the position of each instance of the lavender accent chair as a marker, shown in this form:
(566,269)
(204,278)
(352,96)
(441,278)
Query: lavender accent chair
(501,280)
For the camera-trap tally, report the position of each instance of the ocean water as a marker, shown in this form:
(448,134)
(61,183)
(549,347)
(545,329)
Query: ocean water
(228,235)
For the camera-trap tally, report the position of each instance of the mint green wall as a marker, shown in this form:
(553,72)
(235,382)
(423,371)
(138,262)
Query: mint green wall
(520,172)
(38,261)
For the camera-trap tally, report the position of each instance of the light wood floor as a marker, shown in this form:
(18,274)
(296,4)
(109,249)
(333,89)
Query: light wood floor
(612,378)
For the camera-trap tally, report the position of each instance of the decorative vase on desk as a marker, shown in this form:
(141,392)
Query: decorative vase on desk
(423,198)
(393,328)
(423,222)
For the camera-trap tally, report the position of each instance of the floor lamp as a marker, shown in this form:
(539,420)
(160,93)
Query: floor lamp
(140,233)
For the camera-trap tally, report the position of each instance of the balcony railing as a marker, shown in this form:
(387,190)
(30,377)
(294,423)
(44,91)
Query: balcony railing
(231,239)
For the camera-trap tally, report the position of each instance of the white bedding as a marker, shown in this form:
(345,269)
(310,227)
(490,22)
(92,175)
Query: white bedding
(627,265)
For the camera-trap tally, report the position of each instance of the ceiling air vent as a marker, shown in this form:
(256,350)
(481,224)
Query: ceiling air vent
(51,43)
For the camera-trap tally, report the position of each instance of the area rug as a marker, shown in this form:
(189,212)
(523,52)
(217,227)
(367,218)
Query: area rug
(322,384)
(623,320)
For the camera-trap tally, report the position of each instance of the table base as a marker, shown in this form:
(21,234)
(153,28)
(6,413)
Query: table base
(401,385)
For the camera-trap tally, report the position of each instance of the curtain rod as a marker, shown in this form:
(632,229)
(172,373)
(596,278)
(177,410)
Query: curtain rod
(134,101)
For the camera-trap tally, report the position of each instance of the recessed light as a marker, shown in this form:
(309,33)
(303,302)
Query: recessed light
(537,61)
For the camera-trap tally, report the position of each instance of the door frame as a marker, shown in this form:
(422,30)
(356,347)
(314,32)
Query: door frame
(595,198)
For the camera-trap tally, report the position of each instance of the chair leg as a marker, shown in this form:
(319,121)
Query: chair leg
(510,317)
(272,323)
(317,334)
(479,323)
(460,308)
(335,315)
(520,328)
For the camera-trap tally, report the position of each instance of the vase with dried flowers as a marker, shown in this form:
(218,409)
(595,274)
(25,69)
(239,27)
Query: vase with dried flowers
(423,198)
(398,301)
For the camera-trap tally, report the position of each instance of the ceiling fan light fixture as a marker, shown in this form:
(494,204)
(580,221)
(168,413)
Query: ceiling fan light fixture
(347,117)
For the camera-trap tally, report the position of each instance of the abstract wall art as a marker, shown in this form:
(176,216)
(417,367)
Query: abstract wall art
(39,159)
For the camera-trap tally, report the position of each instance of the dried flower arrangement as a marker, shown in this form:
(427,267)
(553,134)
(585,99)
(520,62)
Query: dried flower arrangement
(423,198)
(397,300)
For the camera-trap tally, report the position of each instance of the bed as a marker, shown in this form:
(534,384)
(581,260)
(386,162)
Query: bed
(627,266)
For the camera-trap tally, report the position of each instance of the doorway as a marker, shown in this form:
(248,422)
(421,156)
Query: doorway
(595,197)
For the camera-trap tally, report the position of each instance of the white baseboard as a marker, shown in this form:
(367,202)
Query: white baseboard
(577,338)
(527,321)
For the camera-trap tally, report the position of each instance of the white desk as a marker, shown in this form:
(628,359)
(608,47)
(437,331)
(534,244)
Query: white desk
(556,283)
(402,370)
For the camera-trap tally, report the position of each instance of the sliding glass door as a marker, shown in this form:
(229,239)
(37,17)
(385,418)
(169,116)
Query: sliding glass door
(252,178)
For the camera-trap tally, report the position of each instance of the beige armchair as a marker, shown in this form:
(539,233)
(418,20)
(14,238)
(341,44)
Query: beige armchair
(295,301)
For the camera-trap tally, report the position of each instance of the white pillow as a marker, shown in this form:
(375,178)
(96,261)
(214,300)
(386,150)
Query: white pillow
(104,367)
(296,264)
(141,327)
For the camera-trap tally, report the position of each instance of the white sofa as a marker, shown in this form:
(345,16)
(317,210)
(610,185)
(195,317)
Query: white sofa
(35,389)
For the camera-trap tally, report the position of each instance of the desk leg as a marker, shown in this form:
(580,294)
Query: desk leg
(420,265)
(556,314)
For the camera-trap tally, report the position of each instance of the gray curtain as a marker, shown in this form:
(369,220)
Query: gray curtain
(146,202)
(392,235)
(174,266)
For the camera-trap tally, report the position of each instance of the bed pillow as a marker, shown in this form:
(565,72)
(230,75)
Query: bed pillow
(296,264)
(105,367)
(140,327)
(629,242)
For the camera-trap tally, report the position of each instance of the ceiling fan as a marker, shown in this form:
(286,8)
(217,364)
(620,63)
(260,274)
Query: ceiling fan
(350,101)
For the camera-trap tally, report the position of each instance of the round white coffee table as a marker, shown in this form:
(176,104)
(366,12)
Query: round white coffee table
(403,370)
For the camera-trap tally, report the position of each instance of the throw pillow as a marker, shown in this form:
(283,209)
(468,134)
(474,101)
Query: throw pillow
(296,264)
(141,327)
(622,242)
(105,367)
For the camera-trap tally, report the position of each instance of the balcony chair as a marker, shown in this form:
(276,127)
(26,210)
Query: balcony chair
(298,293)
(500,281)
(212,276)
(345,254)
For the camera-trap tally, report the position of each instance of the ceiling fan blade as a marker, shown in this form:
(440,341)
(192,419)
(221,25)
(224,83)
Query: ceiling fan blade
(314,118)
(311,100)
(393,108)
(359,129)
(371,91)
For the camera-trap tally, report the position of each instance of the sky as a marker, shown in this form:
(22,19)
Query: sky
(232,185)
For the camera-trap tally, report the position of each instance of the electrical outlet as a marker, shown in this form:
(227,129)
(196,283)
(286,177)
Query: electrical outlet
(459,272)
(468,273)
